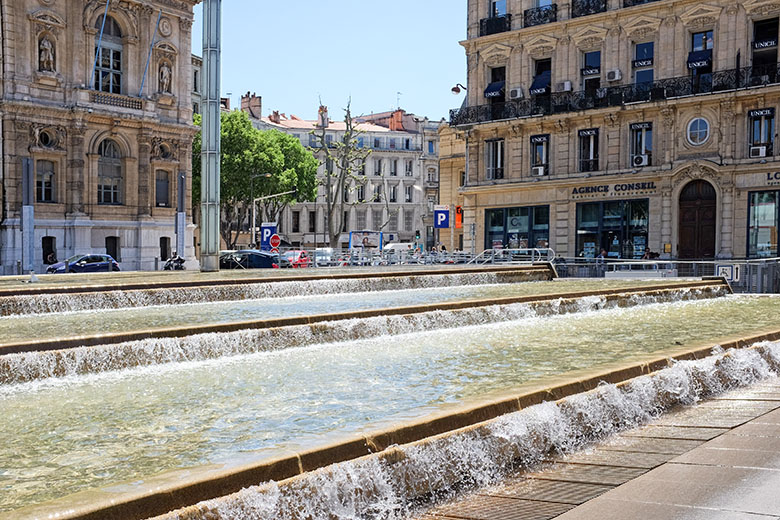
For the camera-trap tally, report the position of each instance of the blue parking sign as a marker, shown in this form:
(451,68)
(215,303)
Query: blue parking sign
(441,217)
(267,230)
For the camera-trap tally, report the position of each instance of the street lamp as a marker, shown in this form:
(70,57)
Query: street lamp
(457,88)
(254,205)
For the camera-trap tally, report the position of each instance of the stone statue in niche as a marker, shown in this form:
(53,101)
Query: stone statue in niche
(165,78)
(46,55)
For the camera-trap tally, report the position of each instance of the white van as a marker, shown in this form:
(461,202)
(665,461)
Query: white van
(397,247)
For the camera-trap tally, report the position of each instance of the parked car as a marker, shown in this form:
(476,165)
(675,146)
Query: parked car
(297,258)
(248,259)
(327,257)
(85,264)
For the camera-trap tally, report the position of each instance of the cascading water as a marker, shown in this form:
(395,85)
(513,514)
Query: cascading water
(32,366)
(396,484)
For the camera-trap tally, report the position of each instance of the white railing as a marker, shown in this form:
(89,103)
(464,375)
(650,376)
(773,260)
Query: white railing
(522,255)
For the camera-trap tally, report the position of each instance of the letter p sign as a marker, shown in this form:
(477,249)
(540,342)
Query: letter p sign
(441,217)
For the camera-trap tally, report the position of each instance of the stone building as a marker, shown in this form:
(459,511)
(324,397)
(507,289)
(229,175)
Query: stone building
(621,125)
(99,144)
(396,196)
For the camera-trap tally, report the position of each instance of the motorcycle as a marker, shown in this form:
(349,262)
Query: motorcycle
(175,263)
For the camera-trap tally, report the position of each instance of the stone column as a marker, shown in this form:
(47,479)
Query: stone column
(668,136)
(75,184)
(727,219)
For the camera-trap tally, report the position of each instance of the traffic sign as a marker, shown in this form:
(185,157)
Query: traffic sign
(441,217)
(275,250)
(730,272)
(267,230)
(275,241)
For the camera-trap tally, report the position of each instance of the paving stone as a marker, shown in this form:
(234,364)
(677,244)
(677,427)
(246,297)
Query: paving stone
(770,418)
(501,508)
(603,508)
(730,457)
(676,432)
(755,429)
(591,474)
(550,491)
(740,442)
(705,419)
(747,407)
(627,459)
(650,445)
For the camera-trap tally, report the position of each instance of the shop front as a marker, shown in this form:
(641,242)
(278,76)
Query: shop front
(518,227)
(618,227)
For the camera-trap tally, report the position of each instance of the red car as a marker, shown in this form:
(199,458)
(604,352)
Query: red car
(297,258)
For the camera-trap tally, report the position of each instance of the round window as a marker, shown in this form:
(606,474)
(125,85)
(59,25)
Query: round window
(698,131)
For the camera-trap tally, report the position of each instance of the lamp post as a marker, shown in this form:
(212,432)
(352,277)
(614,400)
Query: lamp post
(254,204)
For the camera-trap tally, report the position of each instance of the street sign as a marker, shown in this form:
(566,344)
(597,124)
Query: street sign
(441,217)
(275,241)
(730,272)
(458,217)
(267,230)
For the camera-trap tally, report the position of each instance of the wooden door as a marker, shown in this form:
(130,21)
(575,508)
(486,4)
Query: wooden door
(697,218)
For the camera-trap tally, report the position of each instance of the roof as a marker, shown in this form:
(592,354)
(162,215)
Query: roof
(294,123)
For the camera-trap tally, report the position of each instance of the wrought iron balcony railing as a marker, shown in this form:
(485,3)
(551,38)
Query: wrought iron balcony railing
(589,165)
(540,15)
(632,3)
(495,25)
(586,7)
(562,102)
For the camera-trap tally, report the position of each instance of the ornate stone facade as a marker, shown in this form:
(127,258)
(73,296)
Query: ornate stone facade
(711,104)
(107,142)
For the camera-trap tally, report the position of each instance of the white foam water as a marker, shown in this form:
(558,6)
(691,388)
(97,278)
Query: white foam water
(26,367)
(399,483)
(45,303)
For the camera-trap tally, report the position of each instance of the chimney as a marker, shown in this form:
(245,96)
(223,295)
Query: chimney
(252,104)
(225,103)
(274,117)
(397,121)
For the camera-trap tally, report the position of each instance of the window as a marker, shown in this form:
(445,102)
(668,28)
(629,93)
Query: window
(361,193)
(431,204)
(408,193)
(540,154)
(494,160)
(112,248)
(641,144)
(296,221)
(765,48)
(195,108)
(345,195)
(431,148)
(393,193)
(44,181)
(589,150)
(392,142)
(698,131)
(361,219)
(49,250)
(345,221)
(407,144)
(497,8)
(393,167)
(762,131)
(376,218)
(377,142)
(619,227)
(409,169)
(591,72)
(431,175)
(360,142)
(165,248)
(496,91)
(700,61)
(462,179)
(408,220)
(108,73)
(162,189)
(312,222)
(196,80)
(517,228)
(542,77)
(109,173)
(377,166)
(702,41)
(378,193)
(329,140)
(392,221)
(643,63)
(763,224)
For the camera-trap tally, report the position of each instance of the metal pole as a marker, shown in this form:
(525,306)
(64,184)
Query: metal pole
(149,57)
(97,51)
(28,215)
(254,223)
(210,132)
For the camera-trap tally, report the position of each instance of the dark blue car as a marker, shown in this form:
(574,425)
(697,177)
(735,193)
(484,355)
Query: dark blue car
(85,264)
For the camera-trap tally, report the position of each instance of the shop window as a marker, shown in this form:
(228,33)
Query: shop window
(591,72)
(761,134)
(763,222)
(540,155)
(644,56)
(517,228)
(494,160)
(108,72)
(641,144)
(589,149)
(44,181)
(312,222)
(698,131)
(162,189)
(618,227)
(296,221)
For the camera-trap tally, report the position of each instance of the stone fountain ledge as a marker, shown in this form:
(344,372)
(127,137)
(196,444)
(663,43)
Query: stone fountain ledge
(566,302)
(78,283)
(225,484)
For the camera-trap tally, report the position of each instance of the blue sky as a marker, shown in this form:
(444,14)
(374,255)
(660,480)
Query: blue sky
(293,53)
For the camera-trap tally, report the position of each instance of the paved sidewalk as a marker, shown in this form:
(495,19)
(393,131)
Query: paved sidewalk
(719,460)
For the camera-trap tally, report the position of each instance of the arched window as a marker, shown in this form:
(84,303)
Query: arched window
(109,173)
(108,74)
(44,182)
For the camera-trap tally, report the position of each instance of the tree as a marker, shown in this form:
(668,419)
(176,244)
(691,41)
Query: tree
(247,156)
(345,162)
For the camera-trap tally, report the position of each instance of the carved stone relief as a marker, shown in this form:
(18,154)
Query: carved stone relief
(47,137)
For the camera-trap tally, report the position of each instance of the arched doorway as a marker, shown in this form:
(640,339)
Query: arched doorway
(698,209)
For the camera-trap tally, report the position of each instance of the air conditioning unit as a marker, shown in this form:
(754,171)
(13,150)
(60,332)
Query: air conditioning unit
(538,171)
(757,152)
(516,93)
(640,160)
(614,75)
(565,86)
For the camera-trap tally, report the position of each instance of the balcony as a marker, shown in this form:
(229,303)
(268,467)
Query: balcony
(115,100)
(495,25)
(563,102)
(540,15)
(586,7)
(632,3)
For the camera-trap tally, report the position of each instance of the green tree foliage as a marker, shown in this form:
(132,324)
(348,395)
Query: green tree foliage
(254,164)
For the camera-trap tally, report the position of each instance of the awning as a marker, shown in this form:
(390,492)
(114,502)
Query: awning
(700,59)
(541,83)
(495,89)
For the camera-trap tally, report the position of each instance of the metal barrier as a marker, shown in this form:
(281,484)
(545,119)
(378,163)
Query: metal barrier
(528,254)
